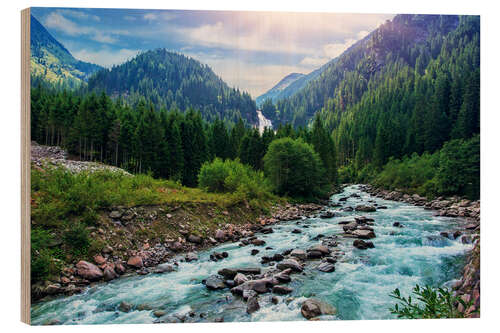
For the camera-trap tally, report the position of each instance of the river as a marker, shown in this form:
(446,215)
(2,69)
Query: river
(359,287)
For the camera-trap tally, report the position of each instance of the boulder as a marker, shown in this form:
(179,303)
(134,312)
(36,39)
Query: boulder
(249,270)
(298,253)
(320,248)
(191,256)
(362,245)
(258,242)
(228,273)
(275,300)
(88,271)
(253,304)
(124,306)
(254,252)
(326,267)
(115,214)
(109,274)
(214,282)
(159,313)
(296,231)
(135,261)
(240,279)
(312,308)
(195,239)
(327,214)
(365,208)
(397,224)
(350,226)
(176,246)
(363,234)
(220,235)
(290,263)
(98,259)
(281,290)
(314,254)
(164,268)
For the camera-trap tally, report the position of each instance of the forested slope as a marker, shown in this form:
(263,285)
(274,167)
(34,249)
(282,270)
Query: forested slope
(173,81)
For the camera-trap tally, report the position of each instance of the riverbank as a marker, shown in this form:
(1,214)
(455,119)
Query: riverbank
(468,287)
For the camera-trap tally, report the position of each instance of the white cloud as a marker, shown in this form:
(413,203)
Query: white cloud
(314,61)
(150,16)
(335,49)
(105,57)
(79,14)
(56,20)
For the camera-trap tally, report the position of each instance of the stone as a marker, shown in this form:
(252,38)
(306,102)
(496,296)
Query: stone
(98,259)
(249,270)
(457,234)
(119,268)
(240,279)
(214,282)
(267,230)
(159,313)
(164,268)
(124,306)
(191,256)
(195,239)
(290,263)
(275,300)
(253,304)
(115,214)
(258,242)
(312,308)
(320,248)
(228,273)
(362,245)
(296,231)
(247,293)
(326,267)
(135,261)
(314,255)
(350,226)
(363,234)
(327,214)
(254,252)
(109,274)
(365,208)
(220,235)
(176,246)
(88,271)
(281,290)
(298,253)
(397,224)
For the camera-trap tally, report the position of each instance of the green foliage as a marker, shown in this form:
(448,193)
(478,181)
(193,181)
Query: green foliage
(230,176)
(77,237)
(294,168)
(430,303)
(455,169)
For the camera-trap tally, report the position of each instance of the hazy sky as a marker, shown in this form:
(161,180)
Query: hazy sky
(249,50)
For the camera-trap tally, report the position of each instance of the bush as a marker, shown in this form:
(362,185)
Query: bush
(231,176)
(77,237)
(431,303)
(294,168)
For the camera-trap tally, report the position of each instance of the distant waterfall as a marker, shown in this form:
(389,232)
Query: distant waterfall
(263,122)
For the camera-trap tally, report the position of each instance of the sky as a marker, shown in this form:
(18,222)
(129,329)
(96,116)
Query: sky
(248,50)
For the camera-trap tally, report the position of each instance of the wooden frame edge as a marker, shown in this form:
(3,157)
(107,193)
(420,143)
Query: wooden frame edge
(25,168)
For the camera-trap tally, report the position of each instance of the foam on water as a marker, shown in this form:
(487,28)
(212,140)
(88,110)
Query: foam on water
(359,288)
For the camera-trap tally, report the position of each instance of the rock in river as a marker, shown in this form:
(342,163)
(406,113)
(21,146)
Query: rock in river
(290,263)
(135,262)
(362,245)
(365,208)
(363,234)
(313,308)
(282,290)
(326,267)
(252,304)
(214,282)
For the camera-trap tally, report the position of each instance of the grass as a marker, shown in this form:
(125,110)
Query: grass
(70,212)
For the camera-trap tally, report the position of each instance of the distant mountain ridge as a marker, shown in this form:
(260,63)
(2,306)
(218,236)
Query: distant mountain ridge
(174,81)
(386,45)
(52,62)
(276,90)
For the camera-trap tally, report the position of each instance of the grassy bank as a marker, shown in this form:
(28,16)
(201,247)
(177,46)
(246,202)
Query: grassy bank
(70,214)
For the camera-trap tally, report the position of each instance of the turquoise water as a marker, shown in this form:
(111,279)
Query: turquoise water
(358,288)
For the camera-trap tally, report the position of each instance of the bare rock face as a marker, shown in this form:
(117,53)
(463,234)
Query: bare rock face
(88,271)
(135,262)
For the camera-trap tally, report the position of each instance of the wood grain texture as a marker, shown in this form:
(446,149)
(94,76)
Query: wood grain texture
(25,168)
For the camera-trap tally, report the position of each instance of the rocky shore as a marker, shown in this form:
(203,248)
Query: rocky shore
(468,287)
(125,254)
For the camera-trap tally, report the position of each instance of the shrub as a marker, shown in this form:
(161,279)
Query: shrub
(294,168)
(77,238)
(431,303)
(231,176)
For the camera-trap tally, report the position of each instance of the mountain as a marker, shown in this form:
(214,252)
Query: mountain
(274,92)
(52,62)
(174,81)
(403,39)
